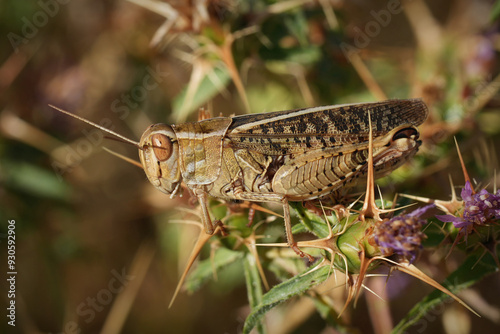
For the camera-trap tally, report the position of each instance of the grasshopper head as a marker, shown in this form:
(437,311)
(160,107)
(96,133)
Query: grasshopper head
(159,156)
(399,145)
(405,139)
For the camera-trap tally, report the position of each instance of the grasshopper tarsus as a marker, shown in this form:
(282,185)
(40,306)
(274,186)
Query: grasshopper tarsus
(223,229)
(297,250)
(251,215)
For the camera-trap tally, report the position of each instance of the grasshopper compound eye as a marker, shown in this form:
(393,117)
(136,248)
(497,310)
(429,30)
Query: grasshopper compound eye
(162,146)
(159,156)
(406,133)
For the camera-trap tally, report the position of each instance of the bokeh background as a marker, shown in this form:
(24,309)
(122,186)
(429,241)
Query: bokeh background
(99,249)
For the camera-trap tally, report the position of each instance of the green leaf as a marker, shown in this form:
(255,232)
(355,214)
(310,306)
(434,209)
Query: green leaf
(282,292)
(495,12)
(469,273)
(204,271)
(253,284)
(33,180)
(310,221)
(272,96)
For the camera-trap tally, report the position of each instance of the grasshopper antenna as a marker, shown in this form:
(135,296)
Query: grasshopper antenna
(136,144)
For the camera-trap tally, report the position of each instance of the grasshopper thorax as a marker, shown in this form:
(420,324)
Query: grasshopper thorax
(159,154)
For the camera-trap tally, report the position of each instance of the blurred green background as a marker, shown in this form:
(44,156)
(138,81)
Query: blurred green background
(89,224)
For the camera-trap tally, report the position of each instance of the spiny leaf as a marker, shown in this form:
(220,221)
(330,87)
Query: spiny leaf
(469,273)
(253,284)
(284,291)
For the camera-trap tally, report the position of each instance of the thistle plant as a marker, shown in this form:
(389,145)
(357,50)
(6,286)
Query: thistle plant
(478,209)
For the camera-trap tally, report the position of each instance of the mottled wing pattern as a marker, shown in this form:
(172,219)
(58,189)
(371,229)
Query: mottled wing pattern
(302,130)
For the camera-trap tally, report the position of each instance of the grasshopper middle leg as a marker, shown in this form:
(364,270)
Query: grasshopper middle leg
(276,198)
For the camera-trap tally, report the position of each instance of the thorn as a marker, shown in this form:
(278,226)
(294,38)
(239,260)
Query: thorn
(202,240)
(369,209)
(381,198)
(252,247)
(350,293)
(449,207)
(453,192)
(415,272)
(373,292)
(464,170)
(256,207)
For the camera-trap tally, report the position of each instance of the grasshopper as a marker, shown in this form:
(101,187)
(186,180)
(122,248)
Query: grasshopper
(282,156)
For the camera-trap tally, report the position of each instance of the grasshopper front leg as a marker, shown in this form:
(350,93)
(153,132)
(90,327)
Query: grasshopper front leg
(210,226)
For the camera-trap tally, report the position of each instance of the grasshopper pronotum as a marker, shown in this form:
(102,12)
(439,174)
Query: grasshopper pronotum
(292,155)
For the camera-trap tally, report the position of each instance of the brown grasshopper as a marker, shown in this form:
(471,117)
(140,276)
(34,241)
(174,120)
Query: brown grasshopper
(292,155)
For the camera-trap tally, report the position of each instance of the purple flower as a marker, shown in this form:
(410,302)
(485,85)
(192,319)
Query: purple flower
(479,208)
(401,234)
